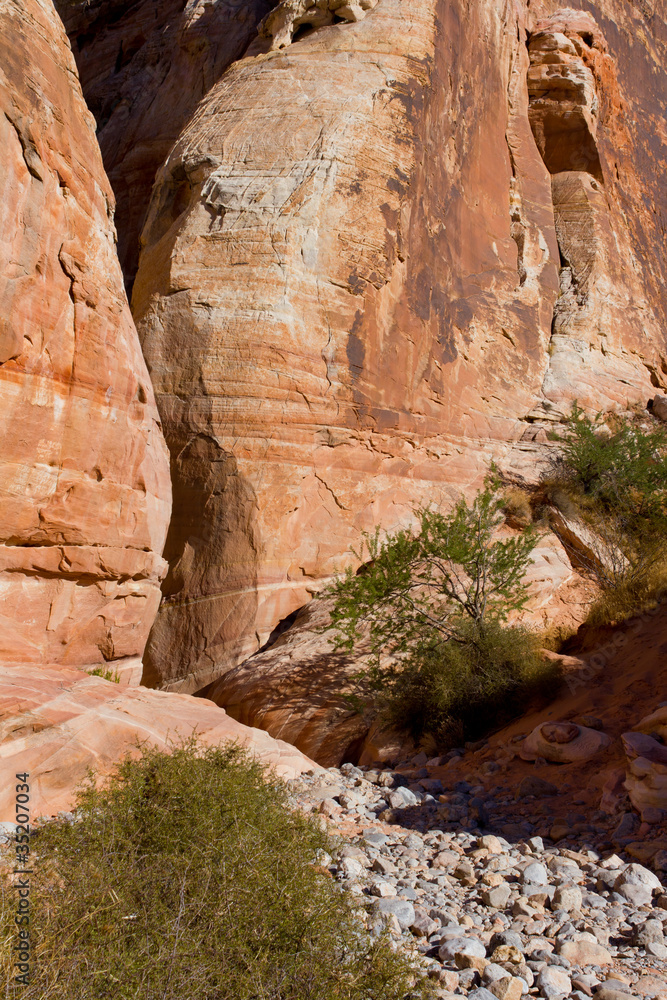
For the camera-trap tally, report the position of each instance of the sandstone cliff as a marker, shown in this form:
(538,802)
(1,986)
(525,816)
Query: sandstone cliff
(84,476)
(144,67)
(388,247)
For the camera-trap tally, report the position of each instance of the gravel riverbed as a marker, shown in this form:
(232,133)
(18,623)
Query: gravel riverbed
(490,909)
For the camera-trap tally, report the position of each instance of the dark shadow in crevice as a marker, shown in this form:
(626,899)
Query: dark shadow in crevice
(283,625)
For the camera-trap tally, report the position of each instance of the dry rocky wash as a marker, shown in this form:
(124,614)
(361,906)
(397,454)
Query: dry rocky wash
(465,877)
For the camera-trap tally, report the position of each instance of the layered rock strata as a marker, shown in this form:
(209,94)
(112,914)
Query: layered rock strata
(376,258)
(84,477)
(144,67)
(325,272)
(56,723)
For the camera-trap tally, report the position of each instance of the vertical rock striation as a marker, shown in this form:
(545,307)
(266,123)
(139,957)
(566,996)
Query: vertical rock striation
(84,487)
(604,322)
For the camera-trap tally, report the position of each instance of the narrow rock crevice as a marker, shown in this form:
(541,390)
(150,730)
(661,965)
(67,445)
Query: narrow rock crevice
(564,109)
(144,67)
(517,223)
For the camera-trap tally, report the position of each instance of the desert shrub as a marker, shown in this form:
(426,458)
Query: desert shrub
(611,472)
(461,690)
(554,636)
(438,599)
(618,462)
(186,875)
(636,594)
(420,588)
(517,507)
(554,492)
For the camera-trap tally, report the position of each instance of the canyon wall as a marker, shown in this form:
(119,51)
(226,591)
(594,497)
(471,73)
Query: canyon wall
(144,67)
(388,247)
(84,474)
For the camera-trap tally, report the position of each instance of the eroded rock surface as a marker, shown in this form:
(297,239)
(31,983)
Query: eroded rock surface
(290,17)
(301,696)
(324,276)
(84,478)
(604,320)
(58,722)
(375,259)
(144,67)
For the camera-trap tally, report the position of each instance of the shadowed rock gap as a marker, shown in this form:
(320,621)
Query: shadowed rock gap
(144,67)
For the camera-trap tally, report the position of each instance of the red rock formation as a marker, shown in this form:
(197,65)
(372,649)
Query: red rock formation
(325,272)
(84,487)
(362,278)
(144,67)
(605,324)
(58,723)
(290,17)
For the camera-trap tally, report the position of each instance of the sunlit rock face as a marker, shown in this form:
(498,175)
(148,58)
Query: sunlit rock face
(375,259)
(605,324)
(328,265)
(84,475)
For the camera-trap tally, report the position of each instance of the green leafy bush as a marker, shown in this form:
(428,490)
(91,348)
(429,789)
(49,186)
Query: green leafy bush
(612,472)
(187,876)
(616,461)
(460,690)
(419,589)
(434,605)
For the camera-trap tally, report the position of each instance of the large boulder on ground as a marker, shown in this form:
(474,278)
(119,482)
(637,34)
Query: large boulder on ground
(57,722)
(654,724)
(563,742)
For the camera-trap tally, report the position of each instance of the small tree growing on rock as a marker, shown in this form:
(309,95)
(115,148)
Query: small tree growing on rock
(437,600)
(421,588)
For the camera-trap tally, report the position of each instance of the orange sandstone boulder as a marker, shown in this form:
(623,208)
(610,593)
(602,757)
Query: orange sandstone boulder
(84,479)
(56,722)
